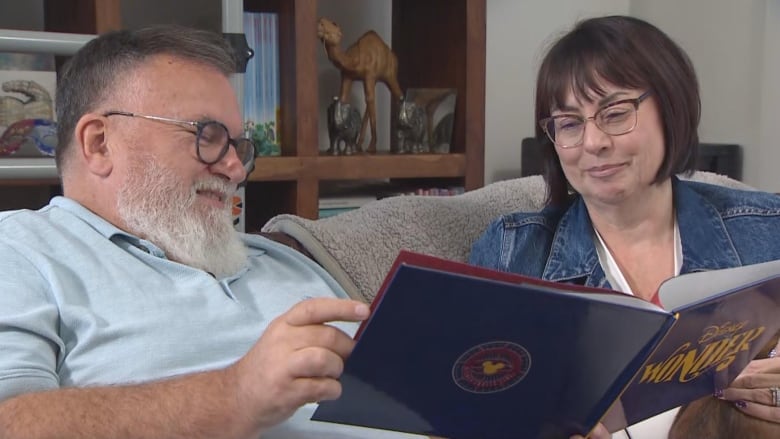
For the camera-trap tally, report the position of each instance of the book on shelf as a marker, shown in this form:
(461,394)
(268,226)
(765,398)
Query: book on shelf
(341,201)
(261,82)
(333,211)
(334,205)
(460,351)
(431,191)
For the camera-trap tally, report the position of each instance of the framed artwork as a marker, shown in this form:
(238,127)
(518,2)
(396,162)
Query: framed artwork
(27,118)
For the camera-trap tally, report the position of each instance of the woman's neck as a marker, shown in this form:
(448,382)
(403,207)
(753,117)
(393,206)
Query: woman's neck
(638,233)
(648,217)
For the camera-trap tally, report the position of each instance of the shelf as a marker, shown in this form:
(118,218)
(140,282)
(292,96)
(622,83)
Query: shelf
(20,170)
(391,166)
(281,168)
(358,167)
(14,170)
(41,42)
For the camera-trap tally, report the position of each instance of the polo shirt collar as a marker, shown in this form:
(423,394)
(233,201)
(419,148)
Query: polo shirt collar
(105,228)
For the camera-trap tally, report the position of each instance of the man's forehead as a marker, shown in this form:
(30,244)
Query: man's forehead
(172,86)
(173,78)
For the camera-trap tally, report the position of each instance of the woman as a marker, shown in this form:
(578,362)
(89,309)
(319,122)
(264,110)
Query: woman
(617,111)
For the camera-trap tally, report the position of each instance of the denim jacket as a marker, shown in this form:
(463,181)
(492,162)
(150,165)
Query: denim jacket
(719,228)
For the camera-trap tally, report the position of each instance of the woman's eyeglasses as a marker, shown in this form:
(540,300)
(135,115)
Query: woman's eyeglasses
(615,119)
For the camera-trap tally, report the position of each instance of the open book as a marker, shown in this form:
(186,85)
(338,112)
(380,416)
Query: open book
(464,352)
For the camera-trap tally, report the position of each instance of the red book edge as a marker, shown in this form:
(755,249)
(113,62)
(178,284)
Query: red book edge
(406,257)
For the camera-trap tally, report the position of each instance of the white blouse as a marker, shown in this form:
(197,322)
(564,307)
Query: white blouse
(658,426)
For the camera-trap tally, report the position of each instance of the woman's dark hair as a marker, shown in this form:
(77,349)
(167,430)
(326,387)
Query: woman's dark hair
(625,52)
(89,77)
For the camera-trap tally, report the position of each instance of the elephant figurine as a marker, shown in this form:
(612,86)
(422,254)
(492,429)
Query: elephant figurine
(343,128)
(411,129)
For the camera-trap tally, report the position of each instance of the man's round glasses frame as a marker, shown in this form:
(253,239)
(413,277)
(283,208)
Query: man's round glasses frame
(245,148)
(548,124)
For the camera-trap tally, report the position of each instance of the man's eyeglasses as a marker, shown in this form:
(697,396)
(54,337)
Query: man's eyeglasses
(615,119)
(212,139)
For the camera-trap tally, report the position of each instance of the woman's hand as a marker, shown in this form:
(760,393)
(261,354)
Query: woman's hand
(756,391)
(600,432)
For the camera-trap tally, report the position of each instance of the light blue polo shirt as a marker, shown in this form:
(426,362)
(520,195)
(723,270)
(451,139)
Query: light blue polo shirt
(84,303)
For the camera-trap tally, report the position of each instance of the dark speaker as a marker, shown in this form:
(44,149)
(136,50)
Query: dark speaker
(720,158)
(530,157)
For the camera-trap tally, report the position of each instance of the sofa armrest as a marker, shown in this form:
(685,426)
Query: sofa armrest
(358,247)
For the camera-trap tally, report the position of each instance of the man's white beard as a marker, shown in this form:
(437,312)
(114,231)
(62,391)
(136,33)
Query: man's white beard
(155,206)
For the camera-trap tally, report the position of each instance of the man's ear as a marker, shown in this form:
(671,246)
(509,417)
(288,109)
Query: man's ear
(92,144)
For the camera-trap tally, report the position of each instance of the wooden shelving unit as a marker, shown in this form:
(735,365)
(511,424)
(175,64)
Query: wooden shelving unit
(439,43)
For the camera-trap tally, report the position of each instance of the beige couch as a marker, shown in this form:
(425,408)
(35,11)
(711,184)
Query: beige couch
(358,247)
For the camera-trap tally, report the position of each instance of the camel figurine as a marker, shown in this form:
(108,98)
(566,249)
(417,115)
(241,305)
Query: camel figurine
(369,60)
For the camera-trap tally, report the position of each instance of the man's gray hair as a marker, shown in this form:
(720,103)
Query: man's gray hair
(92,73)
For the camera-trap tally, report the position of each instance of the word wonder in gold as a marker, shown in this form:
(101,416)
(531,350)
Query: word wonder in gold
(689,361)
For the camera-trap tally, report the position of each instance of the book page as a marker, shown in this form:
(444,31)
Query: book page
(694,287)
(607,296)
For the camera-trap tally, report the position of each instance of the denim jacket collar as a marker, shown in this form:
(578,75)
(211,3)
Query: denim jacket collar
(706,244)
(572,254)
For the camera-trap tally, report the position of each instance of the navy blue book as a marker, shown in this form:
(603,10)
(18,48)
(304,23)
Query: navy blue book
(464,352)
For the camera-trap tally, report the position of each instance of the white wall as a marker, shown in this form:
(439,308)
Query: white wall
(727,42)
(517,34)
(733,45)
(764,159)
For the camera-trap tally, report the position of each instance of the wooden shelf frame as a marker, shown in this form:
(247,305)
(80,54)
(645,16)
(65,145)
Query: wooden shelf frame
(360,167)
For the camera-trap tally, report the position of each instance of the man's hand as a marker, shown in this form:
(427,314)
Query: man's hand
(297,360)
(600,432)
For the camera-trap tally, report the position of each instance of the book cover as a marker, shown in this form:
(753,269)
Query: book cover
(724,318)
(261,83)
(459,351)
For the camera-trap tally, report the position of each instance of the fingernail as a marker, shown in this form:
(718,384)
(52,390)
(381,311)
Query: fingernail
(718,393)
(740,404)
(362,310)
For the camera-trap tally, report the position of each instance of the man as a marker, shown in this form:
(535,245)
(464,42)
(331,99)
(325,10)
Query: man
(129,308)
